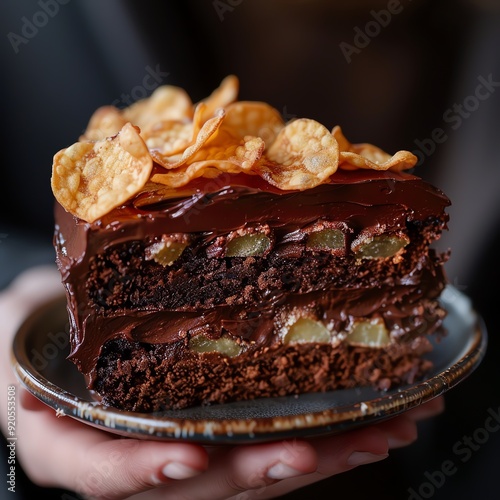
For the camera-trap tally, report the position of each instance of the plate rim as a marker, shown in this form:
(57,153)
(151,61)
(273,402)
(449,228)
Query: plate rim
(238,430)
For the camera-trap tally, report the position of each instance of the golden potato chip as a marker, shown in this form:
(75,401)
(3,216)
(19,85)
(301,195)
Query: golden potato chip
(167,102)
(344,144)
(198,119)
(179,177)
(368,156)
(243,154)
(113,161)
(253,118)
(208,129)
(210,161)
(168,137)
(182,176)
(106,121)
(225,94)
(303,155)
(89,179)
(285,178)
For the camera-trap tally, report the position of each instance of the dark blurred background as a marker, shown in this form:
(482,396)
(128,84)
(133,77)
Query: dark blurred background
(401,74)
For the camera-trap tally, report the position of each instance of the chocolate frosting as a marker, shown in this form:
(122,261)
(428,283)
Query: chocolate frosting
(363,198)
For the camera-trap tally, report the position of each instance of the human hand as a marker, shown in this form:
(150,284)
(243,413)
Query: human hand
(64,453)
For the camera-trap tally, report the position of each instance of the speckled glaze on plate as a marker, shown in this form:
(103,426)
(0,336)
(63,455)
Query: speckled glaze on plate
(39,359)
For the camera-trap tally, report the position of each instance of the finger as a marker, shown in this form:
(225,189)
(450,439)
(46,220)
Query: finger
(97,464)
(258,471)
(402,430)
(243,468)
(399,431)
(26,292)
(120,468)
(31,403)
(429,409)
(339,453)
(29,289)
(336,454)
(38,284)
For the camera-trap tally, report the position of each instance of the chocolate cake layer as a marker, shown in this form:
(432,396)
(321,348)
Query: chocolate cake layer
(408,311)
(153,377)
(196,281)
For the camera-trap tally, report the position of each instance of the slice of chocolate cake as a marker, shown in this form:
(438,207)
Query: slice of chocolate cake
(213,253)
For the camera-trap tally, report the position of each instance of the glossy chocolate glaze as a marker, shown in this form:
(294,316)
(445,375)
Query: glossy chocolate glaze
(363,199)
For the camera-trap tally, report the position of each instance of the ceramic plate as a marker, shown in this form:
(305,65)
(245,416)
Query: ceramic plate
(39,359)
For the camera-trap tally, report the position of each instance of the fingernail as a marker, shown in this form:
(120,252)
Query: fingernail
(282,471)
(176,470)
(364,457)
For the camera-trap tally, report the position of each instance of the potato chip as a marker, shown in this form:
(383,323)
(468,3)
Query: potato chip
(402,160)
(178,177)
(225,94)
(89,179)
(243,155)
(198,119)
(168,137)
(208,129)
(368,156)
(113,161)
(167,102)
(211,161)
(253,118)
(182,176)
(303,155)
(344,144)
(105,122)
